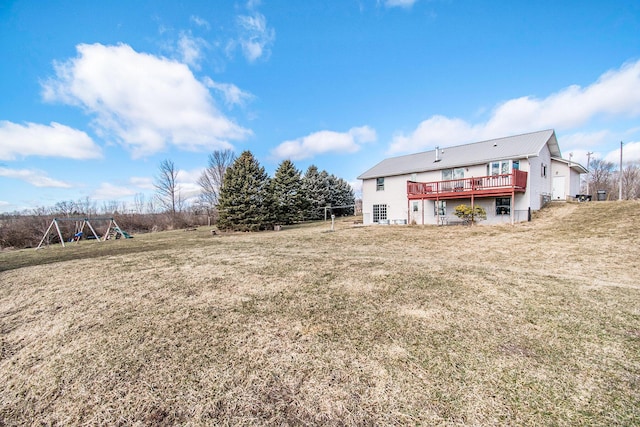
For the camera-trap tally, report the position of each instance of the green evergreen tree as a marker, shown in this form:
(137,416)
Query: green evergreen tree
(289,200)
(341,195)
(245,199)
(316,188)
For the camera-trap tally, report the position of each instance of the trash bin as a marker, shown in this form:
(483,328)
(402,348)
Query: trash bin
(602,195)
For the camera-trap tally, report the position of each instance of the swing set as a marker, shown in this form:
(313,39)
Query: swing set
(80,223)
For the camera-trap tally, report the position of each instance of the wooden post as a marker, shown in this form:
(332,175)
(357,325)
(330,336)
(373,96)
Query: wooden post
(46,233)
(92,230)
(106,233)
(55,221)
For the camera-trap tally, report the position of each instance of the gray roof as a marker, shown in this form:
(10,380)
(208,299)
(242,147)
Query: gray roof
(573,165)
(511,147)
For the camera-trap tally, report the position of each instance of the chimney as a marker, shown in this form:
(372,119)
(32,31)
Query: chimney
(437,154)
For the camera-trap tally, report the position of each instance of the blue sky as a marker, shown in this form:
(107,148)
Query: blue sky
(94,95)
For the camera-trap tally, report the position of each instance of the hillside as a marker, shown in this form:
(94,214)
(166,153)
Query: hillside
(536,323)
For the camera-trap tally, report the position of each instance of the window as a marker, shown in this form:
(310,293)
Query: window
(502,167)
(448,174)
(414,206)
(379,184)
(543,170)
(503,205)
(379,213)
(440,207)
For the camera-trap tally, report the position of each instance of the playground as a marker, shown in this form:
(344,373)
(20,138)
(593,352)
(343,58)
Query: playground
(81,227)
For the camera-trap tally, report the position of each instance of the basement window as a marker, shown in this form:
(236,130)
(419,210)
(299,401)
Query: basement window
(379,213)
(503,205)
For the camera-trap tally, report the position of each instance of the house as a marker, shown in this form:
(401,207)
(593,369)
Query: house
(509,177)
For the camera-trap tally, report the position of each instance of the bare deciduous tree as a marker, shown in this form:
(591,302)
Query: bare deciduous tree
(167,188)
(65,208)
(110,207)
(601,176)
(211,178)
(138,203)
(631,181)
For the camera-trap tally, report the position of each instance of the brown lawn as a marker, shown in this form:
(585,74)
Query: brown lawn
(532,324)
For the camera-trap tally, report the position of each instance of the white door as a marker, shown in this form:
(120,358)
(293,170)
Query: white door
(558,188)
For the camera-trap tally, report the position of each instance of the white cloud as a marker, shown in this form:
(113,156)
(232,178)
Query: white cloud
(233,95)
(399,3)
(54,140)
(34,177)
(190,50)
(255,38)
(108,191)
(615,93)
(142,101)
(586,139)
(200,22)
(325,141)
(630,153)
(145,183)
(188,183)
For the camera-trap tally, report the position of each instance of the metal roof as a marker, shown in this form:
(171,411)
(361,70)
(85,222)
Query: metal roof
(511,147)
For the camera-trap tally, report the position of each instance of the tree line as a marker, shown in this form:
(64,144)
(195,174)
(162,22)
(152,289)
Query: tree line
(235,194)
(245,198)
(606,176)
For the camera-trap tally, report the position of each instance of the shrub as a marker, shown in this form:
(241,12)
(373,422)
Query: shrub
(469,214)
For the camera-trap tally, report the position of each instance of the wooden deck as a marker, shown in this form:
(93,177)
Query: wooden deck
(482,186)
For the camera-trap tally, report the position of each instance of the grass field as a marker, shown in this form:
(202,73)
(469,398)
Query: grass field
(532,324)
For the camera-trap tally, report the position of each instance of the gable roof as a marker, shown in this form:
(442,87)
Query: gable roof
(572,165)
(511,147)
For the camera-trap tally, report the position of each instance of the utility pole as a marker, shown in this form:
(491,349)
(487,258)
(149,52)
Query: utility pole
(620,183)
(589,153)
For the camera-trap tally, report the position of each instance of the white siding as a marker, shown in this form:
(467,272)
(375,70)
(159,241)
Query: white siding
(571,177)
(394,196)
(399,208)
(539,186)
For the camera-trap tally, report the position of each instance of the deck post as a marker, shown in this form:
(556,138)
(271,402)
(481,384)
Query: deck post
(513,204)
(408,211)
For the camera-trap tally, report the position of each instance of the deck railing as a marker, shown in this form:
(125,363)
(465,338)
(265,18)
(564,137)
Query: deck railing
(516,180)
